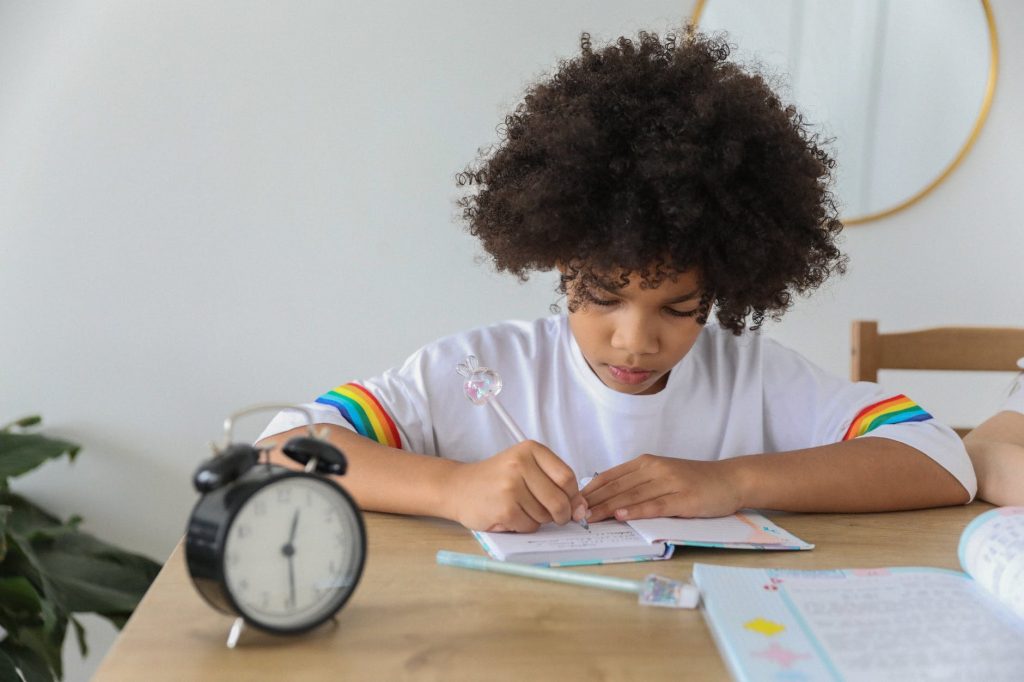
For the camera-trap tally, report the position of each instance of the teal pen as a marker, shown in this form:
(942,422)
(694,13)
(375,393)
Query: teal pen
(652,591)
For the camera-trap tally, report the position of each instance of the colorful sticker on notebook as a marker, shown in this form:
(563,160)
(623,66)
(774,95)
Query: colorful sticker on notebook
(781,656)
(364,412)
(759,535)
(765,626)
(896,410)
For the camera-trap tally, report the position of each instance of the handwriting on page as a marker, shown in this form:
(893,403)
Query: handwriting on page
(894,625)
(993,554)
(550,537)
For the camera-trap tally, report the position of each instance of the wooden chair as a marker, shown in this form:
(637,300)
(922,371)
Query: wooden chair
(982,349)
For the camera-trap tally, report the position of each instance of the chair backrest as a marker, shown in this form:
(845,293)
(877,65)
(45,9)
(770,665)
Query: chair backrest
(940,348)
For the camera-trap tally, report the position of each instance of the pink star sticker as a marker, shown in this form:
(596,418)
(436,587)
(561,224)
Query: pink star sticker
(781,655)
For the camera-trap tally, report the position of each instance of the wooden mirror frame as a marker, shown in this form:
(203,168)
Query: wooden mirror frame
(986,105)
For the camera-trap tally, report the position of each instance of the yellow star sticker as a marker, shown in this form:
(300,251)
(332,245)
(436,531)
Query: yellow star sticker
(764,626)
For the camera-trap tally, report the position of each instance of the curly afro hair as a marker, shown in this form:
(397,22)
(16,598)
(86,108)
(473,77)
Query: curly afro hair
(654,157)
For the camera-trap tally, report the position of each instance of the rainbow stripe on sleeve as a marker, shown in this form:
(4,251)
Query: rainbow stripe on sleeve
(364,412)
(896,410)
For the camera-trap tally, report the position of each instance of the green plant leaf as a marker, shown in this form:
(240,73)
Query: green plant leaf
(21,560)
(79,571)
(25,522)
(18,597)
(27,518)
(50,569)
(33,666)
(21,452)
(36,655)
(83,648)
(5,512)
(8,669)
(93,576)
(23,423)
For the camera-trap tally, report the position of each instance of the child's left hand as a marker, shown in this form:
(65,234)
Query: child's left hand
(651,486)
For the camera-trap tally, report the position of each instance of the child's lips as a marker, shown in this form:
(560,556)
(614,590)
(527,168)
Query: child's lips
(630,375)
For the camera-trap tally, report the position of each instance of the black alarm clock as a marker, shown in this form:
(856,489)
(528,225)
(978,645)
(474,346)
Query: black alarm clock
(280,549)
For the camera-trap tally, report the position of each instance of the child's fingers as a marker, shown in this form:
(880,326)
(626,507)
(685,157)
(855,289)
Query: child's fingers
(543,491)
(524,521)
(556,470)
(631,496)
(648,509)
(615,487)
(533,506)
(606,477)
(562,476)
(515,518)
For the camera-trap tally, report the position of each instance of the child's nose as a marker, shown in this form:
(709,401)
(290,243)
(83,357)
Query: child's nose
(636,337)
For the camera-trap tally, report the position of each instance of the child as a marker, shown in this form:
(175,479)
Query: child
(668,187)
(997,450)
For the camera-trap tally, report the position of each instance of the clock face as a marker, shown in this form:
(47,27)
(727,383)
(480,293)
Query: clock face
(293,553)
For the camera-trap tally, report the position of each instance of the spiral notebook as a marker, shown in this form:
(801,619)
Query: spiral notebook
(878,624)
(641,540)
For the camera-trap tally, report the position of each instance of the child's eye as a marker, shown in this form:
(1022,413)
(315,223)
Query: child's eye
(681,313)
(602,301)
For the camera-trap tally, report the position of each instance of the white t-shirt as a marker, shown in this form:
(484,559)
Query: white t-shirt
(730,396)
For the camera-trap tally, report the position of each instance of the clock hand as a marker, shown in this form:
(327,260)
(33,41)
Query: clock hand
(291,579)
(289,551)
(295,525)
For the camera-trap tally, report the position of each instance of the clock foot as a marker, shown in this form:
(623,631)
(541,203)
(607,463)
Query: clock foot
(236,631)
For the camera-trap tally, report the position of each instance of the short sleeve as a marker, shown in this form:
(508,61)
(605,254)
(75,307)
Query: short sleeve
(389,408)
(808,407)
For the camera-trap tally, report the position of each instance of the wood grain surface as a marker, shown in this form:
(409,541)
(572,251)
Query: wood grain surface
(413,619)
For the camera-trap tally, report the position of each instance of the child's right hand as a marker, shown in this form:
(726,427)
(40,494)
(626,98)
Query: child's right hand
(517,489)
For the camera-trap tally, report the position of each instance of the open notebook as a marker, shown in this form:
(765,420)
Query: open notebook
(881,623)
(641,540)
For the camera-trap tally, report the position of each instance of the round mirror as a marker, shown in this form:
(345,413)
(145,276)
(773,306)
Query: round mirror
(902,87)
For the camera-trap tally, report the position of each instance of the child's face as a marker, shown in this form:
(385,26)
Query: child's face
(632,337)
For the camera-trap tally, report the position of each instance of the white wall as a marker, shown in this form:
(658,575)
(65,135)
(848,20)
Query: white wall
(205,205)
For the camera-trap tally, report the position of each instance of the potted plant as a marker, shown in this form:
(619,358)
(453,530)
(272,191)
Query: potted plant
(50,569)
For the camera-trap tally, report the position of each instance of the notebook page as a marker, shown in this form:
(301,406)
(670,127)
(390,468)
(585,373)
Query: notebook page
(608,537)
(878,624)
(992,552)
(743,529)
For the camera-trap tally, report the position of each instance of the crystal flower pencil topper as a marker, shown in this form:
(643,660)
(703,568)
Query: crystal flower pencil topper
(481,383)
(482,386)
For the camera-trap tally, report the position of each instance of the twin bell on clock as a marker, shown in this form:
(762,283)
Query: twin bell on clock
(280,549)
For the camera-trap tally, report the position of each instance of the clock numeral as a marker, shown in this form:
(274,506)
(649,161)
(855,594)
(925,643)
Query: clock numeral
(260,507)
(284,494)
(233,558)
(332,567)
(265,599)
(339,539)
(244,585)
(309,498)
(243,531)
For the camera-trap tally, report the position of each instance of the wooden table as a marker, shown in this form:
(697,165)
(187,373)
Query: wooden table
(413,619)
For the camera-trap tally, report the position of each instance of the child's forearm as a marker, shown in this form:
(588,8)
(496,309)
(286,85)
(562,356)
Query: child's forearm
(381,478)
(997,452)
(861,475)
(1000,469)
(1004,427)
